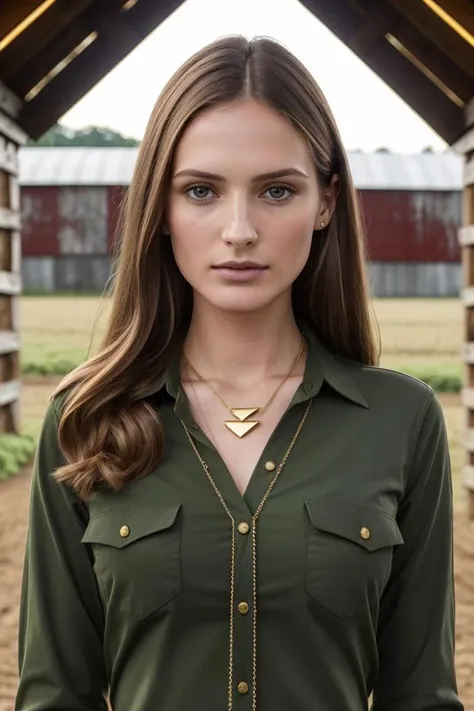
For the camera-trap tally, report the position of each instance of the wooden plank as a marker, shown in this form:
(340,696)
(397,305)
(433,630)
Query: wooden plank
(119,34)
(443,36)
(469,439)
(11,130)
(10,283)
(469,113)
(47,29)
(466,143)
(419,92)
(468,353)
(9,392)
(468,478)
(15,241)
(466,236)
(8,156)
(469,172)
(461,11)
(467,296)
(9,342)
(15,12)
(467,398)
(9,220)
(10,103)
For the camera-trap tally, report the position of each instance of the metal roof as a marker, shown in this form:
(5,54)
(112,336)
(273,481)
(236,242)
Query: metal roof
(114,166)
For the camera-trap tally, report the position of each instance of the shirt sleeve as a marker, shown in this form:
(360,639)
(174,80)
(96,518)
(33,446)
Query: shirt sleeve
(416,632)
(61,662)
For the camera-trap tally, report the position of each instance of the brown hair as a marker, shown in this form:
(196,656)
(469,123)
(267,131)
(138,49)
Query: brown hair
(109,432)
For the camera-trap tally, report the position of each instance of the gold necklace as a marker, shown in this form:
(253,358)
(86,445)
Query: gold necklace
(242,687)
(242,425)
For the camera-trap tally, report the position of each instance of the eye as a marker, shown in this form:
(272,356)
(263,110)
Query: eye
(279,193)
(199,193)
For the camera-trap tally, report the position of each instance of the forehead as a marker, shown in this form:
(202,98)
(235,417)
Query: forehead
(247,132)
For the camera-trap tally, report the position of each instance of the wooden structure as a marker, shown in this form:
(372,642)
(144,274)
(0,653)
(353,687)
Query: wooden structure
(53,51)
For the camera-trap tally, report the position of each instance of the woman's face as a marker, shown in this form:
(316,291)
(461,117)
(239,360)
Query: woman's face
(243,204)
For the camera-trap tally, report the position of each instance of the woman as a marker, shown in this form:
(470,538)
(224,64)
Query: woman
(245,512)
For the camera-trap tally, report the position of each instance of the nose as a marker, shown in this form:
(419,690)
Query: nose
(239,230)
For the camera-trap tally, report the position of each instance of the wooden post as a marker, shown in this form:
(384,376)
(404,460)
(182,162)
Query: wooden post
(466,237)
(11,137)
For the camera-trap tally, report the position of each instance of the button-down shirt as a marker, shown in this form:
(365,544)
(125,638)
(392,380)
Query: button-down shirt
(129,593)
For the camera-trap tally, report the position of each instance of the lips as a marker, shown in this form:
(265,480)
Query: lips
(240,265)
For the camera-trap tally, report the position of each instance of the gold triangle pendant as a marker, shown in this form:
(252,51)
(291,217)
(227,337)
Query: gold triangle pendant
(243,413)
(240,428)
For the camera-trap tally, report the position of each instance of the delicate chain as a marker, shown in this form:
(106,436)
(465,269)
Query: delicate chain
(254,560)
(267,405)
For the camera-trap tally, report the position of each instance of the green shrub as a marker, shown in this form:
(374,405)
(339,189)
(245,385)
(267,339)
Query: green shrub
(15,452)
(442,380)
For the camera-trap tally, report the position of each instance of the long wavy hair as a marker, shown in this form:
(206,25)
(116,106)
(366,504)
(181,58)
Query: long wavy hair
(109,431)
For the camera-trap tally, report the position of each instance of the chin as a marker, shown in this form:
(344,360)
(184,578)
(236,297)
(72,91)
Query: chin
(240,300)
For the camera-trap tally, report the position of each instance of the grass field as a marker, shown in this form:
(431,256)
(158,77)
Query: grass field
(416,334)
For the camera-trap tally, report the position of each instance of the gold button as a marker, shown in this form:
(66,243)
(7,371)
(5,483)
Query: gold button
(243,528)
(365,533)
(243,608)
(242,688)
(270,466)
(124,531)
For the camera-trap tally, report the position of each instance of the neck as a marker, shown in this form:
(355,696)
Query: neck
(243,348)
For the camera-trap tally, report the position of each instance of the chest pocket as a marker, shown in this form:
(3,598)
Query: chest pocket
(137,558)
(349,555)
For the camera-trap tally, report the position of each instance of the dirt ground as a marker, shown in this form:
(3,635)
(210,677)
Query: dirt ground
(14,496)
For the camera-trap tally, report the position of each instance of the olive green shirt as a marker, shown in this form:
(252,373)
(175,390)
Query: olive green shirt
(129,594)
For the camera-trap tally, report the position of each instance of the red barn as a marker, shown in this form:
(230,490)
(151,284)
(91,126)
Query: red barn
(411,206)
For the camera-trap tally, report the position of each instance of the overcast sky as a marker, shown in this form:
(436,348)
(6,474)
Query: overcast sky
(369,114)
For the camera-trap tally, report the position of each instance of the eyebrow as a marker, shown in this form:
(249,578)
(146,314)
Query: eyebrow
(193,172)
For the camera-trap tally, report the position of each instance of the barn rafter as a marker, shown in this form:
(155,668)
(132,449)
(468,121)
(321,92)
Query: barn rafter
(52,52)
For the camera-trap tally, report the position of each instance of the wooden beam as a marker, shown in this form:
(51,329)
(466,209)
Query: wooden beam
(10,103)
(46,30)
(119,34)
(438,32)
(389,20)
(396,70)
(469,172)
(466,143)
(9,342)
(8,156)
(10,129)
(9,392)
(10,283)
(15,12)
(466,236)
(9,220)
(461,11)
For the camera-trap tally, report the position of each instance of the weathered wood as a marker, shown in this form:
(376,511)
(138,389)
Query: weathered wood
(467,296)
(469,172)
(432,104)
(45,30)
(9,392)
(10,283)
(8,156)
(9,342)
(10,103)
(466,236)
(468,353)
(467,398)
(11,130)
(461,11)
(9,220)
(454,46)
(466,143)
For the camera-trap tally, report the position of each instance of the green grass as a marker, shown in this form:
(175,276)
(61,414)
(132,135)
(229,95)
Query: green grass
(15,452)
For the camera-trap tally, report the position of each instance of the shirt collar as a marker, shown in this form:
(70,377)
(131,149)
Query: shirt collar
(321,367)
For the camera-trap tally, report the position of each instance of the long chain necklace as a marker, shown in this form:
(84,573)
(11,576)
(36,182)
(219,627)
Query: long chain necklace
(242,425)
(254,560)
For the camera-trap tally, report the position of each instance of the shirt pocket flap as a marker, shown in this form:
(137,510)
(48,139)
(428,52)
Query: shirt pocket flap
(368,527)
(119,528)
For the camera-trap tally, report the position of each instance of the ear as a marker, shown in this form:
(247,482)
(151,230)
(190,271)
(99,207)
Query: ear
(328,203)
